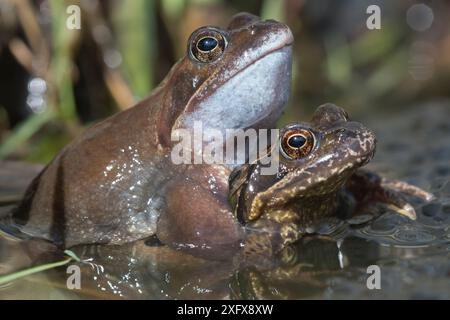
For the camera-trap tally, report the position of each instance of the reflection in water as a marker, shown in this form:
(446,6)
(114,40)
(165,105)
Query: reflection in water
(414,256)
(312,268)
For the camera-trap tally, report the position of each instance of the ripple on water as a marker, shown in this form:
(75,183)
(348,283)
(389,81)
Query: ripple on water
(393,230)
(413,236)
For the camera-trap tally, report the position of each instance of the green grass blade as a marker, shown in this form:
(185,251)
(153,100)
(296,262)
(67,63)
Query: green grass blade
(24,132)
(72,255)
(136,27)
(61,60)
(24,273)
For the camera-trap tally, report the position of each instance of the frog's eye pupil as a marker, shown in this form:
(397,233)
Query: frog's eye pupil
(297,141)
(207,44)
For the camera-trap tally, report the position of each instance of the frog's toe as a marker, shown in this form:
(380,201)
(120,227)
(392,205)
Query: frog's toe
(401,186)
(406,210)
(394,201)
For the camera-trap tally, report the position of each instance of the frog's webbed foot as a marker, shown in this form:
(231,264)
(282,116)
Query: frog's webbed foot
(374,194)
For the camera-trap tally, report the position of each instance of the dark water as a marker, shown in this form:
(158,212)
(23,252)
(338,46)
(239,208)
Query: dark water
(413,256)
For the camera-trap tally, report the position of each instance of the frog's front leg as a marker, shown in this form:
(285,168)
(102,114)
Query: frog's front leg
(197,217)
(266,237)
(374,194)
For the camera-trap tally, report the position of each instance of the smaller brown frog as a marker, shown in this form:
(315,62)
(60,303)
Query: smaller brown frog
(319,177)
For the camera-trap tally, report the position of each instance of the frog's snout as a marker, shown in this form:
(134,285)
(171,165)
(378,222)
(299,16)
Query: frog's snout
(282,31)
(365,144)
(360,143)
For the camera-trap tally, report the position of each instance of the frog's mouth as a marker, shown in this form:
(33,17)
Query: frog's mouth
(256,94)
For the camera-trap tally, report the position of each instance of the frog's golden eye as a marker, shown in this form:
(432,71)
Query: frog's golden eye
(297,143)
(207,44)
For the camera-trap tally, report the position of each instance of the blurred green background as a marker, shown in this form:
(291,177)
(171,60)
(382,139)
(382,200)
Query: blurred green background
(54,82)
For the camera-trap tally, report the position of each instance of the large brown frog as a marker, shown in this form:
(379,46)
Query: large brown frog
(116,182)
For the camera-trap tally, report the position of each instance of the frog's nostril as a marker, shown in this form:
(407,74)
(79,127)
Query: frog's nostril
(348,134)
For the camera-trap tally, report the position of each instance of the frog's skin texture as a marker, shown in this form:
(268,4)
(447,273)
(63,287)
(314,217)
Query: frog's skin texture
(114,183)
